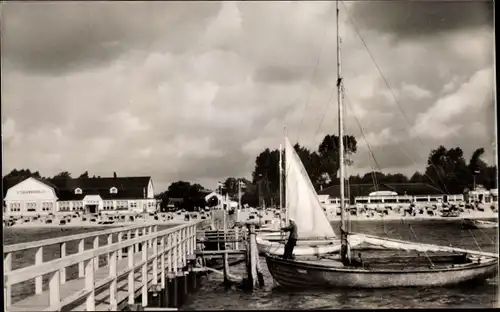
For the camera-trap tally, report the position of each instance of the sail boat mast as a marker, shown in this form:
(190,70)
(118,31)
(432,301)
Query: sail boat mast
(281,180)
(341,138)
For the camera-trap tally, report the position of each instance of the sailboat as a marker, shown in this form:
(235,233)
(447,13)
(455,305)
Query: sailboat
(315,233)
(451,266)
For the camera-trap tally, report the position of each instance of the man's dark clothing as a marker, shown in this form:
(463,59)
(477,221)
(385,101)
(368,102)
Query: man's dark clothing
(292,240)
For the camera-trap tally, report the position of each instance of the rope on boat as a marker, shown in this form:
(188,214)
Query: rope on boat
(475,241)
(425,252)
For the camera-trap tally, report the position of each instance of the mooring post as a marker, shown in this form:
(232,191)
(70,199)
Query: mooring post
(225,269)
(251,257)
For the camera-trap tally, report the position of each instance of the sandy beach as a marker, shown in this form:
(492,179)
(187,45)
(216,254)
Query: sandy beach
(139,219)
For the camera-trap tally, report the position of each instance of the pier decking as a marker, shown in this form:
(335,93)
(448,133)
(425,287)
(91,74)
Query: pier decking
(139,259)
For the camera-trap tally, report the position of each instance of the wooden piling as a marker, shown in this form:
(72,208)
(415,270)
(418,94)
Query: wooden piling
(172,293)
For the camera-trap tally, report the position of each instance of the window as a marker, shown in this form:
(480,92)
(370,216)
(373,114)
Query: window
(113,190)
(15,207)
(133,205)
(30,207)
(64,206)
(46,206)
(78,190)
(122,205)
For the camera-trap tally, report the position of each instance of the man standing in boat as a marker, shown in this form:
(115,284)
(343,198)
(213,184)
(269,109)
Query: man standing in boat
(292,239)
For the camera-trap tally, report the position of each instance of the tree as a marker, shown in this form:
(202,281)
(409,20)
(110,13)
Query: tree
(193,195)
(417,177)
(329,154)
(84,175)
(114,174)
(63,175)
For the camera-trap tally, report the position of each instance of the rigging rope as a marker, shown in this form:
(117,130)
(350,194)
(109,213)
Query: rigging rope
(425,252)
(311,82)
(364,137)
(484,233)
(475,241)
(392,93)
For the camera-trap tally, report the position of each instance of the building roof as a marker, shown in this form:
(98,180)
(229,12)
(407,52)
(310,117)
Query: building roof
(357,190)
(127,187)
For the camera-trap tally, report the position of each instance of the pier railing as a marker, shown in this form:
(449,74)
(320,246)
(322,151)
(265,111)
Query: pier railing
(167,250)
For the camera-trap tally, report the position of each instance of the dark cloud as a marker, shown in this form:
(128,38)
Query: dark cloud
(58,37)
(421,18)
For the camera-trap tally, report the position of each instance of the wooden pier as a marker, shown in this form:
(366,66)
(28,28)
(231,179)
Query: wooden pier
(144,269)
(141,262)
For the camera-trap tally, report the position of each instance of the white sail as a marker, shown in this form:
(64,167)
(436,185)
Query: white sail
(302,201)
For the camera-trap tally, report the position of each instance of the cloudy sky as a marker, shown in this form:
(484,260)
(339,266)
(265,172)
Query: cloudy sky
(194,91)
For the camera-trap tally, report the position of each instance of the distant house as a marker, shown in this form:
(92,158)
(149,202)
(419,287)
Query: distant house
(222,199)
(33,196)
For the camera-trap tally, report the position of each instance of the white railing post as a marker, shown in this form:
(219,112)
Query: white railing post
(7,290)
(114,284)
(96,259)
(81,265)
(131,284)
(38,279)
(236,238)
(89,285)
(193,239)
(150,231)
(155,260)
(175,246)
(169,252)
(54,288)
(110,242)
(144,273)
(162,259)
(144,244)
(120,235)
(63,270)
(136,247)
(184,246)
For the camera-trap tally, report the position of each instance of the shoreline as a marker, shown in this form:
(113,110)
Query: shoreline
(394,217)
(418,217)
(90,225)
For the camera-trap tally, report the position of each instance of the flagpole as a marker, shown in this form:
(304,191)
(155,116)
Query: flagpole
(239,194)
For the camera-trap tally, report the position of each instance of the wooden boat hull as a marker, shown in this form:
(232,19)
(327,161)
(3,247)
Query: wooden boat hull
(303,274)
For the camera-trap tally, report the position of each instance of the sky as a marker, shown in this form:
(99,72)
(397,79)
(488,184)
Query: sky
(194,91)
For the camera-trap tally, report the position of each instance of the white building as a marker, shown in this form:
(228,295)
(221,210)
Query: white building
(34,196)
(221,199)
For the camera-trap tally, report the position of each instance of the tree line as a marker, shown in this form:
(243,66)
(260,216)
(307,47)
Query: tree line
(446,169)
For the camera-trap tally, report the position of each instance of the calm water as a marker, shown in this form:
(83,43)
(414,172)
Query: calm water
(212,294)
(25,258)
